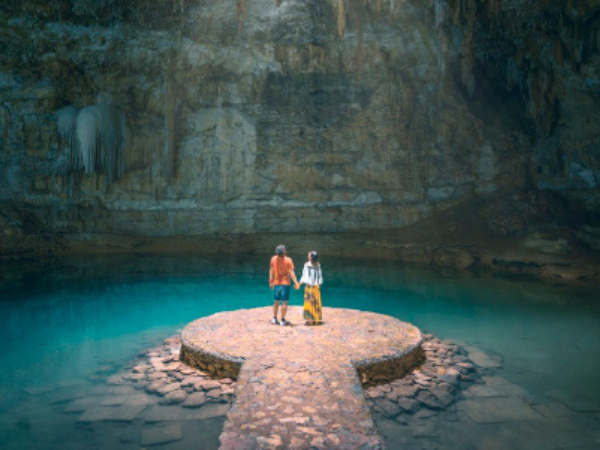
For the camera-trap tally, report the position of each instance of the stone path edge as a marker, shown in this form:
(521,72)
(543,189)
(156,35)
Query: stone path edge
(215,365)
(374,371)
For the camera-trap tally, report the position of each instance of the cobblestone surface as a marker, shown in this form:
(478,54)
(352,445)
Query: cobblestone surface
(298,386)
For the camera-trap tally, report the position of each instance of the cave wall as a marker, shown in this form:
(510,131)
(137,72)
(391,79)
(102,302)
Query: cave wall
(547,53)
(291,115)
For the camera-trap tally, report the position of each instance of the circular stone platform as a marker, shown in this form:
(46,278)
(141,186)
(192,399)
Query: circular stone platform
(300,386)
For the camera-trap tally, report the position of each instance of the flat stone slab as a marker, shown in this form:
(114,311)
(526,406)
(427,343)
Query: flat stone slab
(124,413)
(301,386)
(161,435)
(161,413)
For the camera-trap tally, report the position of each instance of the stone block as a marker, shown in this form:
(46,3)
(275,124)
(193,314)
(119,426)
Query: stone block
(173,397)
(140,399)
(124,413)
(80,405)
(408,405)
(583,405)
(510,402)
(194,400)
(111,400)
(484,391)
(570,439)
(553,409)
(176,413)
(483,359)
(161,435)
(429,400)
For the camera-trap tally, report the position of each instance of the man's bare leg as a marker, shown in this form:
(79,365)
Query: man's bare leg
(276,308)
(284,310)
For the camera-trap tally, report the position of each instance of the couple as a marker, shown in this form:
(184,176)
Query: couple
(282,268)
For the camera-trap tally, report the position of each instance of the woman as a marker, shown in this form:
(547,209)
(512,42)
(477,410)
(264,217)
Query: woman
(312,277)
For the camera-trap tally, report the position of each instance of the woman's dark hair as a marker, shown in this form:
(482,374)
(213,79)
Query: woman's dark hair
(314,257)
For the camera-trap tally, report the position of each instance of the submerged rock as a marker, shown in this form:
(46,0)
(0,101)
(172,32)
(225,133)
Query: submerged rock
(173,397)
(161,435)
(194,400)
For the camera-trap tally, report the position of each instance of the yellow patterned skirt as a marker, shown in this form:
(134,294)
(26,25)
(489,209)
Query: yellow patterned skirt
(312,304)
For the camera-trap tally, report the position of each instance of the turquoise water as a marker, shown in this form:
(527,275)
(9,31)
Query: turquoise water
(64,325)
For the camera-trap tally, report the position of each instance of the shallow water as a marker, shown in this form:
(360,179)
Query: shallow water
(67,327)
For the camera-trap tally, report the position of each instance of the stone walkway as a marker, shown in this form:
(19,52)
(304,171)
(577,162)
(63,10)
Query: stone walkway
(297,386)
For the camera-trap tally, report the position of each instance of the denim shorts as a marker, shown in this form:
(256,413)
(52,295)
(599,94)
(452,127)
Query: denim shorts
(281,292)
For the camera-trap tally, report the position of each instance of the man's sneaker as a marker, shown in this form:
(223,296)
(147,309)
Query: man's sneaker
(283,322)
(274,321)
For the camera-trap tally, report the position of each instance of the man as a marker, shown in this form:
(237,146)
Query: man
(282,268)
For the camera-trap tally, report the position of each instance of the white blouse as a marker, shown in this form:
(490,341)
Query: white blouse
(311,275)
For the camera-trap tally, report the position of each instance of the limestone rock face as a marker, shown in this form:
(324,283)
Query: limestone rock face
(546,55)
(291,115)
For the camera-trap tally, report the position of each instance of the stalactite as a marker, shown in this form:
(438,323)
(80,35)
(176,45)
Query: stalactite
(179,5)
(359,42)
(341,17)
(66,122)
(241,14)
(512,75)
(100,131)
(408,103)
(169,148)
(579,51)
(533,96)
(457,13)
(494,8)
(558,51)
(95,137)
(467,60)
(440,10)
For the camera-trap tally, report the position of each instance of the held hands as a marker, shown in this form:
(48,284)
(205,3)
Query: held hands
(297,286)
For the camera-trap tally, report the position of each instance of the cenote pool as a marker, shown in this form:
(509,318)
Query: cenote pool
(68,326)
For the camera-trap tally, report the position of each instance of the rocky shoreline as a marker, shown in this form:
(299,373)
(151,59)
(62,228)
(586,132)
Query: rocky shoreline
(159,372)
(435,385)
(170,385)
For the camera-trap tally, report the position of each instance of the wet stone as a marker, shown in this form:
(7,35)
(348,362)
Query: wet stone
(407,390)
(141,369)
(156,376)
(129,437)
(408,405)
(173,398)
(161,435)
(176,413)
(125,413)
(209,385)
(387,408)
(80,405)
(442,396)
(194,400)
(155,388)
(429,400)
(190,381)
(166,388)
